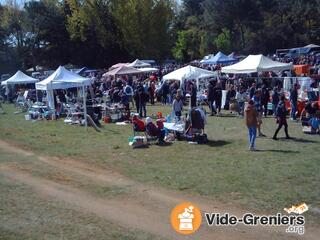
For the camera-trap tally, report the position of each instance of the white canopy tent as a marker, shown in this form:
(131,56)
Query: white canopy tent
(63,79)
(139,64)
(256,63)
(19,78)
(189,73)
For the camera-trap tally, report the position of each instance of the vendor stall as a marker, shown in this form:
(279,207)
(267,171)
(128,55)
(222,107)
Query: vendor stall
(63,79)
(189,73)
(19,78)
(256,64)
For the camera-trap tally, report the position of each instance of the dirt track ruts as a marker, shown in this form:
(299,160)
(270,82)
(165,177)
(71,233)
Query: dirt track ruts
(145,207)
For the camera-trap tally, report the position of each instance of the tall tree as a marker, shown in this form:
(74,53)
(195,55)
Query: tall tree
(144,27)
(94,33)
(48,38)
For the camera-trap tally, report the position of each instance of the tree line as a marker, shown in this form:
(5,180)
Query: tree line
(99,33)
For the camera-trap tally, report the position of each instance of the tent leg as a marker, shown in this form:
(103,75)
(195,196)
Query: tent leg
(85,108)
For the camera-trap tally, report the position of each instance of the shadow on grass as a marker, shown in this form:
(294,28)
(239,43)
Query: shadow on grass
(164,144)
(299,140)
(276,151)
(225,115)
(218,143)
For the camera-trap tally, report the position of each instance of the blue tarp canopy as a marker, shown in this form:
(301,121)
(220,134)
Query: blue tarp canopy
(220,58)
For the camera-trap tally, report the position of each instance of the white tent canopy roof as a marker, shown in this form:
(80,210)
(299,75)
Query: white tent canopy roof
(256,63)
(139,64)
(312,46)
(123,70)
(149,69)
(62,79)
(19,78)
(188,73)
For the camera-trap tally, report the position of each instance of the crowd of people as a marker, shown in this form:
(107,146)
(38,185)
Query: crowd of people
(230,93)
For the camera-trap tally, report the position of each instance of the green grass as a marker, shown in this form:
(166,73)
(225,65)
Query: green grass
(281,174)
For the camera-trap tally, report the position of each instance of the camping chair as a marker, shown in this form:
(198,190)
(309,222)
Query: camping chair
(137,130)
(151,139)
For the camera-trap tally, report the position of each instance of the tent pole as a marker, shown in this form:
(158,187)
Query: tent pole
(85,107)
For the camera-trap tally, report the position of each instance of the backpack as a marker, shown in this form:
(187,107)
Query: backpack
(128,90)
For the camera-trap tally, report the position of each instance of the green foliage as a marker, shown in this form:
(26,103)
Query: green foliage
(223,41)
(144,26)
(98,33)
(94,33)
(253,26)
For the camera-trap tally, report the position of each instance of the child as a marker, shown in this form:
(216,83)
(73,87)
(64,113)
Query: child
(251,117)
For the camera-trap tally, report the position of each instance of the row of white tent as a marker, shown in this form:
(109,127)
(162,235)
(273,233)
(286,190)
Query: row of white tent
(60,79)
(63,79)
(251,64)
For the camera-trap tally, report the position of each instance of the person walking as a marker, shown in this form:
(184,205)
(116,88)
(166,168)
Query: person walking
(265,96)
(275,100)
(257,104)
(241,97)
(294,101)
(128,90)
(218,97)
(177,106)
(165,92)
(193,98)
(281,114)
(251,118)
(151,89)
(210,91)
(142,96)
(136,99)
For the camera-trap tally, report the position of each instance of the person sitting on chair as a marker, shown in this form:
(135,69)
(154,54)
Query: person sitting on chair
(138,124)
(153,130)
(309,112)
(314,123)
(196,119)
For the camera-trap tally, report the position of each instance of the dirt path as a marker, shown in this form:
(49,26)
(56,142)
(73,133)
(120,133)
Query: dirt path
(145,207)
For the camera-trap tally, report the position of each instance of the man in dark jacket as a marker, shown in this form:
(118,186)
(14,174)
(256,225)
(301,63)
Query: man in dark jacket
(165,92)
(275,100)
(294,101)
(211,97)
(142,97)
(281,113)
(265,96)
(218,96)
(193,98)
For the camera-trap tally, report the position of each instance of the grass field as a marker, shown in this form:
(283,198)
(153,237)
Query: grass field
(280,174)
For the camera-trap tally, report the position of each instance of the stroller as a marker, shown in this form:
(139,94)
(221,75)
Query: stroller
(195,124)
